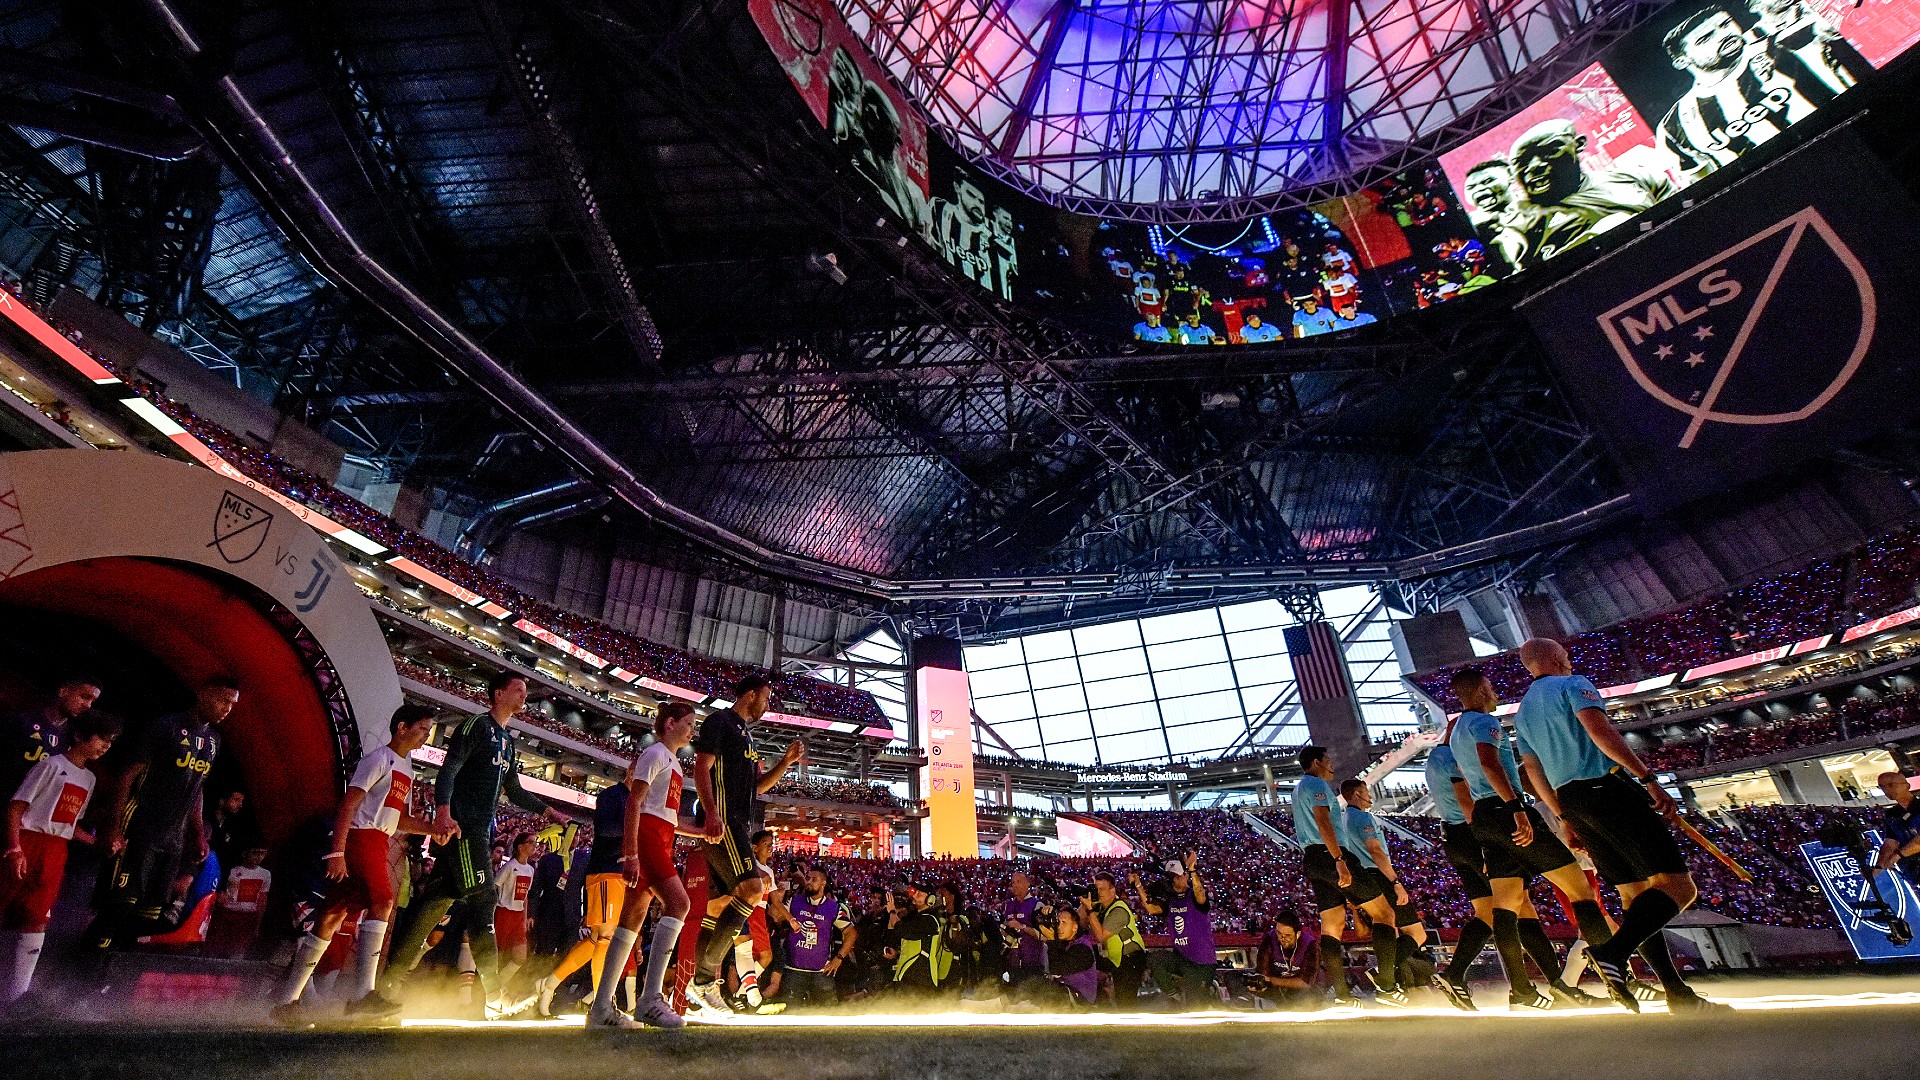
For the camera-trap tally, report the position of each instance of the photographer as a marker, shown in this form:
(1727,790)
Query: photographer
(1115,927)
(1023,918)
(1075,956)
(1900,824)
(1286,971)
(1188,969)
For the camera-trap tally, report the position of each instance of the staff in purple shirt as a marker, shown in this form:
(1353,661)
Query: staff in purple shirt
(1188,970)
(813,958)
(1075,963)
(1022,917)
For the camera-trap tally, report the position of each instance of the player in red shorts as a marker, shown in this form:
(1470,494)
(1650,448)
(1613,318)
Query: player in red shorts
(41,820)
(511,883)
(373,809)
(654,782)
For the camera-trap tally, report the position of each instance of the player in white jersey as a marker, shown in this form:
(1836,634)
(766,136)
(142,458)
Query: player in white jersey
(1742,94)
(373,809)
(41,819)
(654,784)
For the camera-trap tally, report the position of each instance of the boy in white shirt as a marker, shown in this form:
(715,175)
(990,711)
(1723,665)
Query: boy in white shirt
(42,818)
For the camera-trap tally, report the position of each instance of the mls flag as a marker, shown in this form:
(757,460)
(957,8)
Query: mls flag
(1771,322)
(1845,889)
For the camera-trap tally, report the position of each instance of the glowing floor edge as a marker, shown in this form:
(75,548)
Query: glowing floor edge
(1758,1003)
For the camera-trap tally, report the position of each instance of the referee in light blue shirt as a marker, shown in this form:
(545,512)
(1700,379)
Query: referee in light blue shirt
(1336,880)
(1447,787)
(1616,809)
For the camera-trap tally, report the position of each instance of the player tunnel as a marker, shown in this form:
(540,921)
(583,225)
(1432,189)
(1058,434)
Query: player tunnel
(144,563)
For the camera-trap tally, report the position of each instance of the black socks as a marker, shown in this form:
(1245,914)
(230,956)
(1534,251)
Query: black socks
(717,938)
(1592,922)
(1386,950)
(1649,912)
(1506,938)
(1533,938)
(1333,962)
(1473,938)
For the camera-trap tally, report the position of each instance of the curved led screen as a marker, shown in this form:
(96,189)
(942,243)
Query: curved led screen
(1682,95)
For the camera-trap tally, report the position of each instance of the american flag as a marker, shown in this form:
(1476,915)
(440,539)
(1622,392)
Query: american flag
(1318,665)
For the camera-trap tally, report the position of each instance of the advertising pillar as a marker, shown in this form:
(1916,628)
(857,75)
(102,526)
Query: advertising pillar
(944,715)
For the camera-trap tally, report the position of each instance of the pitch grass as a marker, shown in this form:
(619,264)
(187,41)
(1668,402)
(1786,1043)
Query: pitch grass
(1836,1043)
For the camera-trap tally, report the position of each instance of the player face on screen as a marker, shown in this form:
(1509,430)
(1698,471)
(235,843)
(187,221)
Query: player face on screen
(1490,187)
(973,201)
(1546,161)
(1003,224)
(1712,46)
(844,84)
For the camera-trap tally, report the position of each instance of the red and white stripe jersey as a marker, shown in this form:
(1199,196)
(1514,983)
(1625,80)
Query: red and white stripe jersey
(512,884)
(56,793)
(387,778)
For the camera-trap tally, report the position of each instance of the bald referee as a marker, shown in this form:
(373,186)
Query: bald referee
(1612,805)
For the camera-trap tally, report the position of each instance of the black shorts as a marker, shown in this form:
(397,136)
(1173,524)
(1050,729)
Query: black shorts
(1467,859)
(1493,827)
(1628,839)
(143,874)
(1325,879)
(463,865)
(1403,914)
(729,859)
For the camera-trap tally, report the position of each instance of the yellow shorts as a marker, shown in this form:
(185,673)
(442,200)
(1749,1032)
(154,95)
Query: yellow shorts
(606,895)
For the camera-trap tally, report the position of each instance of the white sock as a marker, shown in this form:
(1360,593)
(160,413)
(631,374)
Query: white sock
(366,949)
(305,959)
(666,938)
(507,971)
(26,957)
(632,986)
(749,969)
(618,950)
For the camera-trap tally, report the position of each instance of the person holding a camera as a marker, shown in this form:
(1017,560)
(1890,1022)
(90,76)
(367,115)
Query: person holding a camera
(1117,930)
(1189,967)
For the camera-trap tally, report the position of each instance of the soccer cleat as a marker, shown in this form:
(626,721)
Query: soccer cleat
(770,1008)
(1343,1001)
(1691,1004)
(502,1007)
(373,1006)
(1396,997)
(1536,1001)
(1575,998)
(543,990)
(1646,991)
(1457,993)
(611,1019)
(290,1013)
(1619,983)
(706,1001)
(657,1012)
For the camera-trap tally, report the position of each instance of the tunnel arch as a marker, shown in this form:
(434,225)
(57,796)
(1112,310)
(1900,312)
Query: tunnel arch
(211,578)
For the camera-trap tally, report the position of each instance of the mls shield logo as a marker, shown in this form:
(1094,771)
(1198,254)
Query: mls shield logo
(1767,331)
(239,528)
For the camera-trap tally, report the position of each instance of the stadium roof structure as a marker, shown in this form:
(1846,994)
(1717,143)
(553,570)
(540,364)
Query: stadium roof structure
(504,247)
(1204,109)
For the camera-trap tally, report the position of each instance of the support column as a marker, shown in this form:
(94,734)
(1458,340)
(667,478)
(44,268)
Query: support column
(1326,696)
(943,711)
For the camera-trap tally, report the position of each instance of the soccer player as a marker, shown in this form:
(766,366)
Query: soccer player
(27,737)
(1189,924)
(1611,803)
(1738,100)
(43,816)
(1149,329)
(1256,332)
(1363,838)
(359,867)
(813,959)
(156,834)
(479,768)
(1451,800)
(654,783)
(730,782)
(1336,884)
(1806,49)
(1310,319)
(1518,846)
(604,895)
(512,882)
(1563,205)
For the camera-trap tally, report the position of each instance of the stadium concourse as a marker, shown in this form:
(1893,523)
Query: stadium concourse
(864,538)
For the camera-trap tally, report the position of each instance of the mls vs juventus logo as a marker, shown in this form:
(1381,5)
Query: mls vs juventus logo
(1792,300)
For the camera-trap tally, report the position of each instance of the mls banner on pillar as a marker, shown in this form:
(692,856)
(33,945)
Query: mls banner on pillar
(945,708)
(1771,322)
(1847,891)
